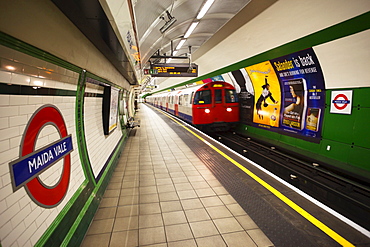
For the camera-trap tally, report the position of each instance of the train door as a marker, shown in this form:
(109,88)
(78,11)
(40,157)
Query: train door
(167,97)
(218,105)
(176,105)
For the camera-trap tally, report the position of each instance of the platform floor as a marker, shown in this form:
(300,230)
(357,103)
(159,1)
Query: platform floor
(175,186)
(162,194)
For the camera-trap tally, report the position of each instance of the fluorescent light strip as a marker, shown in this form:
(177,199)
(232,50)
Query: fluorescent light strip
(191,29)
(180,44)
(204,9)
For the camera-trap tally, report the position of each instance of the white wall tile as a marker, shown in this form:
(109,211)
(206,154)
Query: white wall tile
(9,133)
(13,236)
(5,76)
(31,218)
(4,100)
(5,230)
(49,83)
(5,191)
(8,111)
(38,82)
(4,122)
(17,120)
(16,100)
(15,141)
(8,214)
(27,109)
(13,197)
(2,205)
(20,79)
(41,219)
(9,155)
(47,100)
(4,145)
(24,239)
(5,180)
(19,217)
(33,99)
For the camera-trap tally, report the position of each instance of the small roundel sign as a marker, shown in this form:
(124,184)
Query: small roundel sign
(341,102)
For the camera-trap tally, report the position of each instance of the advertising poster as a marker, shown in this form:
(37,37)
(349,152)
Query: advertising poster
(267,95)
(288,95)
(303,88)
(113,110)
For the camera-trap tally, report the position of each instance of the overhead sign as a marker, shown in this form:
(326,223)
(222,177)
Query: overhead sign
(341,102)
(174,70)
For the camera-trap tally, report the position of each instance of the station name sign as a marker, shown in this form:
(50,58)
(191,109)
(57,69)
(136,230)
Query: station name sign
(173,70)
(30,166)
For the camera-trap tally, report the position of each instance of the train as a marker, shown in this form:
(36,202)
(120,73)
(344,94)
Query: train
(212,106)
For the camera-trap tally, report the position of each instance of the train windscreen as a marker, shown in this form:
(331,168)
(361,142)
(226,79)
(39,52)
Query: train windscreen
(202,97)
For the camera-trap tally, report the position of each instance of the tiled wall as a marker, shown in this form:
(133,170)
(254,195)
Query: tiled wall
(22,221)
(99,146)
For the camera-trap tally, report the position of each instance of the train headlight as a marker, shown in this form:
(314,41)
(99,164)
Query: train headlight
(229,109)
(207,110)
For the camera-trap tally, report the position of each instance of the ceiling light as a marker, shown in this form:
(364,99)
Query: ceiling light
(180,44)
(204,9)
(174,53)
(10,67)
(191,29)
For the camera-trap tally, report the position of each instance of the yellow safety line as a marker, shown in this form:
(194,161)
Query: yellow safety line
(342,241)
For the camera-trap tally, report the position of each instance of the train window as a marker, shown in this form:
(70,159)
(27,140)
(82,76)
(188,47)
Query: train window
(186,96)
(231,96)
(218,96)
(202,97)
(191,98)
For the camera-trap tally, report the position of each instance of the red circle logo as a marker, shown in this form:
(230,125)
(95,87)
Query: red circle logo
(38,191)
(343,102)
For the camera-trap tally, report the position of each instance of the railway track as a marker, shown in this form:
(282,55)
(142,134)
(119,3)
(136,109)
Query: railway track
(346,196)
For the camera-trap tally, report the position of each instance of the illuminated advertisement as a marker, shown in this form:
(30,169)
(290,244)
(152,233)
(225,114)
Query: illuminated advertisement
(286,95)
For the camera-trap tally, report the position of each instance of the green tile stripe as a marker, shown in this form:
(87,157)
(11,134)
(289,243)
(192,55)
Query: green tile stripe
(80,129)
(349,27)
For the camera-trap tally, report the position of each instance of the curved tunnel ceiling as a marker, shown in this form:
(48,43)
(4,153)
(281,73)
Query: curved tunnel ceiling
(146,18)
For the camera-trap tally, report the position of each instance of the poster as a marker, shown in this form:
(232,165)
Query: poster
(289,95)
(267,95)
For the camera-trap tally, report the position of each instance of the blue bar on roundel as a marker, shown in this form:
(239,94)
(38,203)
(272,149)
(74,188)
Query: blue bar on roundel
(30,166)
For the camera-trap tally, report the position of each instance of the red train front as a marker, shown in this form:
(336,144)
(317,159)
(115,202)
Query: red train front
(215,106)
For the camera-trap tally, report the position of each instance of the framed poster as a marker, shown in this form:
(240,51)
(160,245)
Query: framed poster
(110,109)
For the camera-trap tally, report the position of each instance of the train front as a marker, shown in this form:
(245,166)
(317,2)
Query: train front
(216,107)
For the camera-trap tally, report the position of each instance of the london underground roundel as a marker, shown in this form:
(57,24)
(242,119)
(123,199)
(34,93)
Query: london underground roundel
(25,171)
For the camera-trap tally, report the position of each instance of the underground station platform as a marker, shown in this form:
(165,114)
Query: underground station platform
(175,186)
